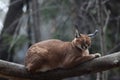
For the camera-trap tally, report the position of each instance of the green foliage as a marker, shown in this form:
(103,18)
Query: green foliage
(18,42)
(61,11)
(49,13)
(7,39)
(21,40)
(54,8)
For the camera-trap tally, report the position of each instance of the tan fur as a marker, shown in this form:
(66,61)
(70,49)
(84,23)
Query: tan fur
(53,53)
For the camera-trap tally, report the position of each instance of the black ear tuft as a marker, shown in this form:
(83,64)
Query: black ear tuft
(77,34)
(93,34)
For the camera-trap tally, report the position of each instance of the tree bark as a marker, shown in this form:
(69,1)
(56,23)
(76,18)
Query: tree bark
(13,70)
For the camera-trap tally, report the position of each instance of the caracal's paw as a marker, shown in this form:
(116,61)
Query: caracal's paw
(97,55)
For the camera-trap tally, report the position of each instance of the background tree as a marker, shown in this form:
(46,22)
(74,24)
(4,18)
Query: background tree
(10,25)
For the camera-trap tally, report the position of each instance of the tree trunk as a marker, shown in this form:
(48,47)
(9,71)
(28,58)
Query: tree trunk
(35,20)
(10,25)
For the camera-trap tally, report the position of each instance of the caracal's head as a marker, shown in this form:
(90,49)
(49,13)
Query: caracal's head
(83,41)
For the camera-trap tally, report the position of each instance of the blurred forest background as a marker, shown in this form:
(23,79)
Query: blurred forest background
(25,22)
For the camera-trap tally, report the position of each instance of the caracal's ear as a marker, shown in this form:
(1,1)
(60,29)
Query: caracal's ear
(77,34)
(93,34)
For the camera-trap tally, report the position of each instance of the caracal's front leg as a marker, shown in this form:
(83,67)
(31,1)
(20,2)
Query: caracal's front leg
(87,58)
(71,62)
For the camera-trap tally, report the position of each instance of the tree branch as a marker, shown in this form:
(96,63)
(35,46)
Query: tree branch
(13,70)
